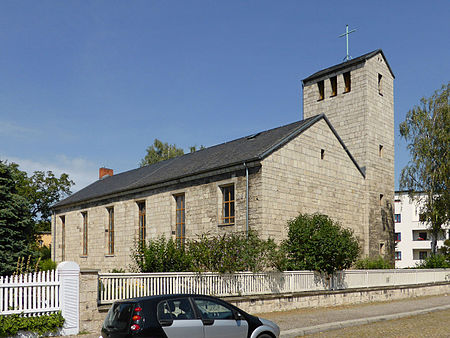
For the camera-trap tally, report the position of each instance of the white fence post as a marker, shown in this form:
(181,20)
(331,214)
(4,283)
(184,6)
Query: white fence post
(69,275)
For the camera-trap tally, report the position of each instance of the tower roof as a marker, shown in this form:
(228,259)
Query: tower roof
(347,64)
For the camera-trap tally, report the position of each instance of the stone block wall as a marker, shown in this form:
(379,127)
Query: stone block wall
(296,179)
(364,119)
(203,207)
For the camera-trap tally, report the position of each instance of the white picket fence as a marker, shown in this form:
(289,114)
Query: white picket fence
(114,286)
(39,293)
(30,294)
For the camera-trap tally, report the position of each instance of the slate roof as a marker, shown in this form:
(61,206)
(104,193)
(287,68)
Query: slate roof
(245,149)
(346,64)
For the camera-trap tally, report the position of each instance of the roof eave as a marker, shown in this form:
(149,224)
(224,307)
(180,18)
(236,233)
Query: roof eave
(346,64)
(251,162)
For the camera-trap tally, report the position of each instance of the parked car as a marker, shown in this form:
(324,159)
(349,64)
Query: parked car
(183,316)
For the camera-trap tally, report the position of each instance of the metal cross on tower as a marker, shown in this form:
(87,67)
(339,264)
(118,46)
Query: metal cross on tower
(348,57)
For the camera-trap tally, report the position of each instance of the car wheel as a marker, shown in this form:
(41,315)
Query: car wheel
(265,335)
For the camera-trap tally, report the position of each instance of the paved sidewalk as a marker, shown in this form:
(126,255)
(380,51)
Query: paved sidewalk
(306,321)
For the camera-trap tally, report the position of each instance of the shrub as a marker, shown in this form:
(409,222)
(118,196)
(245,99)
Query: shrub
(369,263)
(316,242)
(225,253)
(47,264)
(161,255)
(437,261)
(11,324)
(233,252)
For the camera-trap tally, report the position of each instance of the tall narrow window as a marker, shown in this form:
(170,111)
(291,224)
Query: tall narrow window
(333,83)
(380,84)
(141,206)
(228,205)
(85,233)
(347,82)
(321,88)
(380,150)
(180,233)
(322,154)
(63,238)
(111,231)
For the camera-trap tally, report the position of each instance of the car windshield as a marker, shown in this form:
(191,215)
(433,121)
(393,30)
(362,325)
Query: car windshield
(118,316)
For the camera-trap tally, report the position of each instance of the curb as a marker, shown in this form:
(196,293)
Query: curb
(355,322)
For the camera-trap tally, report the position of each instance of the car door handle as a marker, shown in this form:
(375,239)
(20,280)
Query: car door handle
(208,321)
(166,322)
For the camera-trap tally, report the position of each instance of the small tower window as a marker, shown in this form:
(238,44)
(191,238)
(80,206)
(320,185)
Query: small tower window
(380,150)
(333,82)
(321,87)
(381,199)
(380,84)
(322,154)
(382,249)
(347,82)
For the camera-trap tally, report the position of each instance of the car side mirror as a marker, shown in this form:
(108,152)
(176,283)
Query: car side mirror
(238,316)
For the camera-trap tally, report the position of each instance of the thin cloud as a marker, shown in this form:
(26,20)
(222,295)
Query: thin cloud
(8,128)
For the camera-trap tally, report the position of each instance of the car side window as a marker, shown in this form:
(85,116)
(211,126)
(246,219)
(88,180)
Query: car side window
(213,310)
(164,312)
(175,309)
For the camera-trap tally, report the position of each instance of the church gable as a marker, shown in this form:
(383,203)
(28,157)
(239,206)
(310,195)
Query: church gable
(312,173)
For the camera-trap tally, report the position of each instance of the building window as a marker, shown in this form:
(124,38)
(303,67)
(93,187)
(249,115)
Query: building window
(322,154)
(422,217)
(141,235)
(380,150)
(63,238)
(347,82)
(85,233)
(333,82)
(381,199)
(422,255)
(382,249)
(423,236)
(111,231)
(398,255)
(380,84)
(180,232)
(398,218)
(321,88)
(398,236)
(228,204)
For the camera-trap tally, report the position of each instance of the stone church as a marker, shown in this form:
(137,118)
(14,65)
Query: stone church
(338,161)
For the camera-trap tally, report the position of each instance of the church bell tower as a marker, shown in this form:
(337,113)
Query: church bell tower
(357,96)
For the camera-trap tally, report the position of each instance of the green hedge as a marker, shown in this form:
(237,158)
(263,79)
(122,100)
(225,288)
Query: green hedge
(11,324)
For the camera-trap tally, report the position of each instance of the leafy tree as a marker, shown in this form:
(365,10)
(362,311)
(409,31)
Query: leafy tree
(16,222)
(193,149)
(427,131)
(42,190)
(316,242)
(160,151)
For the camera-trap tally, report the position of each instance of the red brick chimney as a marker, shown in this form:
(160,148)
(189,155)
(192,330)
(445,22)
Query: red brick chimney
(102,172)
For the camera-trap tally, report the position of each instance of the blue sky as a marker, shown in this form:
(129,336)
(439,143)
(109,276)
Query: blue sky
(85,84)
